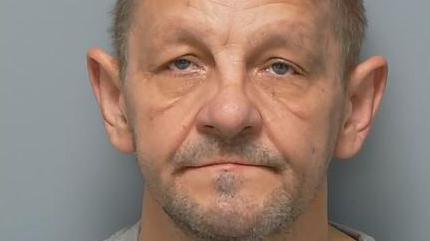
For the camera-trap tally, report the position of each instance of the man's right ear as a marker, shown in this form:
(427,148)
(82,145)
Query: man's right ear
(103,70)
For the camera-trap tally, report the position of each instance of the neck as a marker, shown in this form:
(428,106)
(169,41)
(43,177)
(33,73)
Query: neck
(312,225)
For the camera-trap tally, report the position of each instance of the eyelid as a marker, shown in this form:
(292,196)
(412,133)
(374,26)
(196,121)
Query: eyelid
(296,68)
(193,60)
(196,67)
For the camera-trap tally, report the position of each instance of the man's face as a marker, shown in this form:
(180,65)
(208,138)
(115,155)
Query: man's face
(250,84)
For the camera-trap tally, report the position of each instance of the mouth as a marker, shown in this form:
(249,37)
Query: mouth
(227,166)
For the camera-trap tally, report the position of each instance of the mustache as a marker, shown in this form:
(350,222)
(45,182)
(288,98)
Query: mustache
(210,148)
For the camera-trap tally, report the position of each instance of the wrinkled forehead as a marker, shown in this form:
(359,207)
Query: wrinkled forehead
(302,26)
(225,17)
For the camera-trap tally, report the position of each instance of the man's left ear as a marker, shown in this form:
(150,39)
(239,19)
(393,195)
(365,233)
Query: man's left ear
(365,90)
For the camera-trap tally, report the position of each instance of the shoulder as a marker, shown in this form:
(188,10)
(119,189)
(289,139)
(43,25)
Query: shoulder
(125,234)
(343,232)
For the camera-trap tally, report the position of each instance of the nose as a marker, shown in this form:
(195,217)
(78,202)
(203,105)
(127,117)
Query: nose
(229,114)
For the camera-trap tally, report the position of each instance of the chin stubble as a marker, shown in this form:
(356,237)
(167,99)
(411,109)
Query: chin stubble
(239,220)
(232,217)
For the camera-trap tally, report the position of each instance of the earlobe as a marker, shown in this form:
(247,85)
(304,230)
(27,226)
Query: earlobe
(365,90)
(104,76)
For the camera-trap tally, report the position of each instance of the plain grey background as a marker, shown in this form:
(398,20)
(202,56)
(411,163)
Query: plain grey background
(60,180)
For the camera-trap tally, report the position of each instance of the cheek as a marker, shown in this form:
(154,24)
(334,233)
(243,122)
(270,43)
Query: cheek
(162,120)
(301,123)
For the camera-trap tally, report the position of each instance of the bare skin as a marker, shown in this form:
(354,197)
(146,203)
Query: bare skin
(234,110)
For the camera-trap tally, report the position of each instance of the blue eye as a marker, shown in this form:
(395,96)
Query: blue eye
(181,64)
(280,68)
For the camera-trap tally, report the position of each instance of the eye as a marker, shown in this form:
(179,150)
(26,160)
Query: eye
(181,64)
(281,68)
(188,66)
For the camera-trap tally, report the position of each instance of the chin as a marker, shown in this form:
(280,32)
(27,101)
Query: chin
(239,213)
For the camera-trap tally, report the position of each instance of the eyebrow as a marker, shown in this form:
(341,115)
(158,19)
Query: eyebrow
(278,39)
(175,31)
(180,32)
(283,37)
(278,34)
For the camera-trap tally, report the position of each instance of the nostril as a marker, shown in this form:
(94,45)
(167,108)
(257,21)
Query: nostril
(210,129)
(246,129)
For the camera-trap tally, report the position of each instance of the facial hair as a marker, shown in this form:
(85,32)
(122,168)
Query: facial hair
(233,217)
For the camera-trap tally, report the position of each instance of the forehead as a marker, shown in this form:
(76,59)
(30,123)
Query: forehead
(225,17)
(301,27)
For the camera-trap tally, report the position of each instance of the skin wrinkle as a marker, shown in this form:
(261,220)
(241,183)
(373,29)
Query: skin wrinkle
(178,35)
(295,40)
(191,116)
(256,234)
(191,36)
(278,116)
(241,146)
(194,38)
(286,104)
(186,103)
(176,93)
(236,108)
(177,24)
(229,28)
(350,43)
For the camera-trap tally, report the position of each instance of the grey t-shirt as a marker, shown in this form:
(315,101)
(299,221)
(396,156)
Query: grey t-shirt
(131,234)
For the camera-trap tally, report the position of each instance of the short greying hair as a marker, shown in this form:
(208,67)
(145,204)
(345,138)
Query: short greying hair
(349,26)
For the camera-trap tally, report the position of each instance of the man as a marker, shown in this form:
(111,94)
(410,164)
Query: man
(234,110)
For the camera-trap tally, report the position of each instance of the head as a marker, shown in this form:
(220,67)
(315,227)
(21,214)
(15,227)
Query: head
(235,108)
